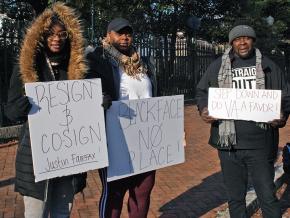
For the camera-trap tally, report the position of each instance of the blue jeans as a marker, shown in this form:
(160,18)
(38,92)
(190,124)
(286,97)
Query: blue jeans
(259,163)
(59,201)
(60,197)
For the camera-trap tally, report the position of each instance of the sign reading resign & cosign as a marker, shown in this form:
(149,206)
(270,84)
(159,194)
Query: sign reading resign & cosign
(144,135)
(67,127)
(258,105)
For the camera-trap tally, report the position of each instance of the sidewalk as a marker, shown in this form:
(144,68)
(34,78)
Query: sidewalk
(192,189)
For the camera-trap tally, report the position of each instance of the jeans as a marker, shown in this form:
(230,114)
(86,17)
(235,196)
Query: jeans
(259,163)
(59,201)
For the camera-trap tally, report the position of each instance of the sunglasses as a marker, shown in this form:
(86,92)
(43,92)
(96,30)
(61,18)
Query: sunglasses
(62,35)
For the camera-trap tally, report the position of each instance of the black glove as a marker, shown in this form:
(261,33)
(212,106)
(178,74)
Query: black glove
(23,104)
(107,101)
(279,123)
(18,110)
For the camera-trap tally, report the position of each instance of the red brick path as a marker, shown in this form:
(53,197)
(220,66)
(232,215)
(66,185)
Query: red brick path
(193,189)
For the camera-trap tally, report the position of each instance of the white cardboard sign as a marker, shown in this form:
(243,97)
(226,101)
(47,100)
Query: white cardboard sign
(144,135)
(244,104)
(67,127)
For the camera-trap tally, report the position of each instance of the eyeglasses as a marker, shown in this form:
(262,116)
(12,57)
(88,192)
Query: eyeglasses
(62,35)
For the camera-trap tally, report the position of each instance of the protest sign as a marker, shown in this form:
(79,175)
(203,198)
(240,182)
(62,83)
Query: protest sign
(67,127)
(144,135)
(244,104)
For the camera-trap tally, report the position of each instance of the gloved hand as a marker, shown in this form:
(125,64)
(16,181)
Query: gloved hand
(107,101)
(18,109)
(279,123)
(23,104)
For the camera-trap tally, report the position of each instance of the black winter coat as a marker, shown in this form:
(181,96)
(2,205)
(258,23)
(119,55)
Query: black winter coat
(274,79)
(101,67)
(33,67)
(17,109)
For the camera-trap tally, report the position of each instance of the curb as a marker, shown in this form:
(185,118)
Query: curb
(8,144)
(6,182)
(9,133)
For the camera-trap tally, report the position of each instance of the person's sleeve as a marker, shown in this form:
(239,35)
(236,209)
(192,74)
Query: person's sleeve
(92,71)
(152,68)
(282,84)
(204,84)
(286,98)
(18,106)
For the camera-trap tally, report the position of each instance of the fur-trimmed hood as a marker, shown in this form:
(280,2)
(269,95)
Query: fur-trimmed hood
(35,35)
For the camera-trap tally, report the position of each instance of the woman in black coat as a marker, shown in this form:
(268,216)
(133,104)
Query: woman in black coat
(52,50)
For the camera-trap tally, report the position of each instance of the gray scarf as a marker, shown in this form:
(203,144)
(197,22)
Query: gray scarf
(227,131)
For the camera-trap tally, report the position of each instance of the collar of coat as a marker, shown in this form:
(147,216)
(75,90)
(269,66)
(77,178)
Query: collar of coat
(34,36)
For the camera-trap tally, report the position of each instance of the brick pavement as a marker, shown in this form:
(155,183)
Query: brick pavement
(192,189)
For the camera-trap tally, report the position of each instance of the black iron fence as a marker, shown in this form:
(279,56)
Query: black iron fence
(180,62)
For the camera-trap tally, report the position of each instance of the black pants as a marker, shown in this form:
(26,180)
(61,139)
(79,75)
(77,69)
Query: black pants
(259,164)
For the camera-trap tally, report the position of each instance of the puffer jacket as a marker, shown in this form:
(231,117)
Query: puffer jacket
(32,67)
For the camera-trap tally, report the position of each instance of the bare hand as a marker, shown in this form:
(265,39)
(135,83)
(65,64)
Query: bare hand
(205,117)
(184,138)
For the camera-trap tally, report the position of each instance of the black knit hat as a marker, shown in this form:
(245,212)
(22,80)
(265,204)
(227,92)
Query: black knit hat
(241,30)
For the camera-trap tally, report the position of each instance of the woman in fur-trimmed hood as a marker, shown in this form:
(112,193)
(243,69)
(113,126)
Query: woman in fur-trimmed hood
(53,49)
(34,43)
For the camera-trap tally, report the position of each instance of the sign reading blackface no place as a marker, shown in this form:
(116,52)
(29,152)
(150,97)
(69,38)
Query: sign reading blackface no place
(144,135)
(67,127)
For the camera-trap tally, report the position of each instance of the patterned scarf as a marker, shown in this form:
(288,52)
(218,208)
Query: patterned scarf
(132,66)
(227,131)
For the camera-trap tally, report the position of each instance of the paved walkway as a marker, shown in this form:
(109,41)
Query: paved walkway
(192,189)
